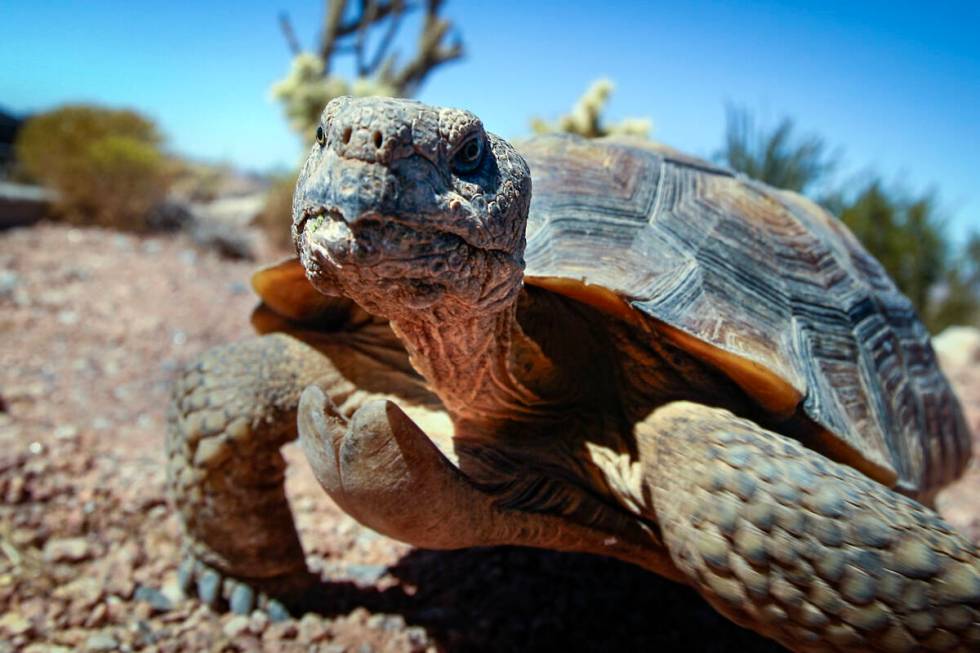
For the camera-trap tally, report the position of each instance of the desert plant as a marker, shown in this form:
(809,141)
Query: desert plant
(196,181)
(955,300)
(777,155)
(106,164)
(310,83)
(586,117)
(905,235)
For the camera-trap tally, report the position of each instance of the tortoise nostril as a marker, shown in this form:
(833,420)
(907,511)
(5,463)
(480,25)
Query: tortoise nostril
(347,135)
(378,139)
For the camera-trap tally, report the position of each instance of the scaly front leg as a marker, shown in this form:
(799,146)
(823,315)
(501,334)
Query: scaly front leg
(384,471)
(802,549)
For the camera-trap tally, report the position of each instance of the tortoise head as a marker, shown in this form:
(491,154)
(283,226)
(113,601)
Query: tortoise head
(405,207)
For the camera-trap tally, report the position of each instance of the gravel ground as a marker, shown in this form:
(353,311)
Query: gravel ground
(93,326)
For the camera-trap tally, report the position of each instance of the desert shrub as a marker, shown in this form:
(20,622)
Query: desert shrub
(904,234)
(276,215)
(199,182)
(106,164)
(365,35)
(956,298)
(307,89)
(777,155)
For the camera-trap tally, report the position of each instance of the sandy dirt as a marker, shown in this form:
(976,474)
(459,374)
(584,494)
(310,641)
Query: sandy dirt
(93,327)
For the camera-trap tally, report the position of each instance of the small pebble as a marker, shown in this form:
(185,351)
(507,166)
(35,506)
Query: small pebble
(14,623)
(366,574)
(101,642)
(72,549)
(258,622)
(154,597)
(237,625)
(9,281)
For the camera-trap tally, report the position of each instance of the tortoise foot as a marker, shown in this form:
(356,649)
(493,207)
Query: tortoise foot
(386,473)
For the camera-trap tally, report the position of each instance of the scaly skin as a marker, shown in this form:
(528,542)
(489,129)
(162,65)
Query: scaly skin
(802,549)
(385,471)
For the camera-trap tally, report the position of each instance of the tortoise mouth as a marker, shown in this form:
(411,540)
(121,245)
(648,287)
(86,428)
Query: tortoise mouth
(378,245)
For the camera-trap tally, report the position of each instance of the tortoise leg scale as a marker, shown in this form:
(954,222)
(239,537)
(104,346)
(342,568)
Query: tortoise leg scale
(801,549)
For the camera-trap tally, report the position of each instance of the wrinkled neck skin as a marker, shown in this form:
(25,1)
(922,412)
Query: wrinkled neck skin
(482,365)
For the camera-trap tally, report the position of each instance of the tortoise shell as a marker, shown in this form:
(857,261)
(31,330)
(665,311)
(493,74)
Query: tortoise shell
(762,283)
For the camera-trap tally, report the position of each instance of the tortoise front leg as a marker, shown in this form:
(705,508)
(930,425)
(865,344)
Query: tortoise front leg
(386,472)
(231,412)
(802,549)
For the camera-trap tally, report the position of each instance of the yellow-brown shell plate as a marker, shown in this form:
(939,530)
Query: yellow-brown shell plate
(290,303)
(284,288)
(762,283)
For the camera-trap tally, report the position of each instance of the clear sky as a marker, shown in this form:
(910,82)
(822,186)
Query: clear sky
(895,84)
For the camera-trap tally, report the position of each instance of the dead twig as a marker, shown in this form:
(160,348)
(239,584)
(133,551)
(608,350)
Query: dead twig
(289,34)
(346,31)
(432,52)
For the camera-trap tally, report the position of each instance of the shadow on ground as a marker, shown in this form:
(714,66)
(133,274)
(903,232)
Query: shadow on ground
(513,598)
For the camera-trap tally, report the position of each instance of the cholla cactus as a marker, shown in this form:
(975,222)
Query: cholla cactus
(310,83)
(586,117)
(305,91)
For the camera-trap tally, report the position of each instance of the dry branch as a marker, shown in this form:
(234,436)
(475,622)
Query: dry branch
(289,34)
(346,31)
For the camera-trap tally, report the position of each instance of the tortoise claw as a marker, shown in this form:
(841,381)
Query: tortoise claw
(274,596)
(386,473)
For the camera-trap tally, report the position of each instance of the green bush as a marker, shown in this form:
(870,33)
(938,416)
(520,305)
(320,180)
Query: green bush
(958,298)
(905,235)
(777,155)
(106,164)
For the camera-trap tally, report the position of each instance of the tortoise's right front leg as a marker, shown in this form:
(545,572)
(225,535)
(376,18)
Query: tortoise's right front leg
(800,548)
(231,412)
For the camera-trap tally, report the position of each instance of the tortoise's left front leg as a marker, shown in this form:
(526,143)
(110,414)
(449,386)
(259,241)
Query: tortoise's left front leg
(800,548)
(382,469)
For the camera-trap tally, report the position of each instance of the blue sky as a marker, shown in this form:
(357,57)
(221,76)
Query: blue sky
(895,84)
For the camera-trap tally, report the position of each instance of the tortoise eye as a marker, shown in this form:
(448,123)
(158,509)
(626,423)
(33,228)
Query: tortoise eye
(469,155)
(321,138)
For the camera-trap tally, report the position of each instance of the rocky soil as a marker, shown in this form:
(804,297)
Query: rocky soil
(93,327)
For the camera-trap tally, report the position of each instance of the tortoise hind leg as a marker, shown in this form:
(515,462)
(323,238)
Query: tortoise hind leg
(801,549)
(231,412)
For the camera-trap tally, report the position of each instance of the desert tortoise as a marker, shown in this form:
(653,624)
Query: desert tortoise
(649,358)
